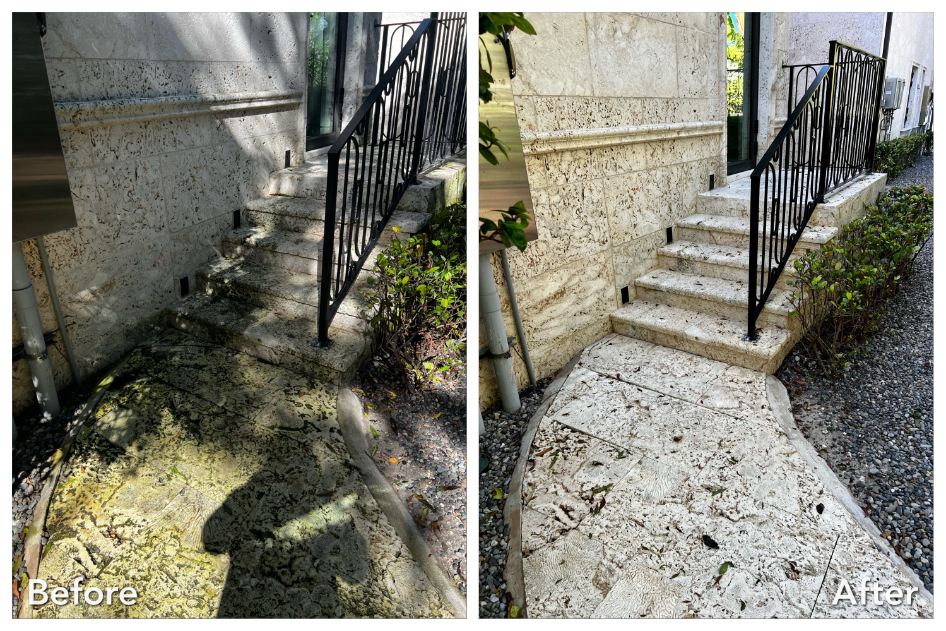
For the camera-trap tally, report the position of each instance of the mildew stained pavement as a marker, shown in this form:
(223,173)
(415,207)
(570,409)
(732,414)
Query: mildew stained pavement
(220,486)
(660,484)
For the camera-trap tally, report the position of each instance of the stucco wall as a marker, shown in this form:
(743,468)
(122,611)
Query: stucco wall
(622,118)
(911,42)
(153,195)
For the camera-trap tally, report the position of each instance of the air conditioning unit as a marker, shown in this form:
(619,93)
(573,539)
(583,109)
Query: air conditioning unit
(893,93)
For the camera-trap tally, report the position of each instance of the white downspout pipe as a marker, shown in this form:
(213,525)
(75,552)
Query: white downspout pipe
(31,330)
(496,336)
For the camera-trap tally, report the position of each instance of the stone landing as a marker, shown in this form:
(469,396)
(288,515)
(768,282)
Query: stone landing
(218,485)
(660,484)
(697,299)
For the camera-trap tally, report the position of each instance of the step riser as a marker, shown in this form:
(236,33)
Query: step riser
(259,256)
(722,309)
(238,291)
(689,266)
(683,343)
(714,237)
(287,223)
(723,206)
(245,293)
(243,344)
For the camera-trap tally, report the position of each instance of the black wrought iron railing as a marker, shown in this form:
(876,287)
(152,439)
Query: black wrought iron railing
(412,120)
(829,139)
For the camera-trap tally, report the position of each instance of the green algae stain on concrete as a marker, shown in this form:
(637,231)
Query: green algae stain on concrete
(220,486)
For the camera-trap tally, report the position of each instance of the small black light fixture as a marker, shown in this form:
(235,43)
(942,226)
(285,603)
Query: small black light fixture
(236,219)
(669,234)
(185,286)
(625,294)
(287,158)
(712,181)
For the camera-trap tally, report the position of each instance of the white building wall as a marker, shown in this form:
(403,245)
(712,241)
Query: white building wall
(911,45)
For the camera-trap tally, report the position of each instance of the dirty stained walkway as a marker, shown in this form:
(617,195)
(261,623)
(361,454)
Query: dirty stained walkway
(659,484)
(220,486)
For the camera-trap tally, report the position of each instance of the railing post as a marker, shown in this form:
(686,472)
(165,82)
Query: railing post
(424,96)
(828,122)
(328,251)
(753,252)
(875,126)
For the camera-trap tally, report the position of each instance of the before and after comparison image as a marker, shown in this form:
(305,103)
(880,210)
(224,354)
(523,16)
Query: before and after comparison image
(281,351)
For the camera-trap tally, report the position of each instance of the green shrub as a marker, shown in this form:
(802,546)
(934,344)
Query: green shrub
(841,289)
(418,293)
(894,156)
(929,141)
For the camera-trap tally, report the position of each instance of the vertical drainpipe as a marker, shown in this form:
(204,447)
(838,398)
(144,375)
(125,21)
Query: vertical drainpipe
(31,330)
(496,336)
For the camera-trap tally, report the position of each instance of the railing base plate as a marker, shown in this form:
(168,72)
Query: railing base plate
(324,345)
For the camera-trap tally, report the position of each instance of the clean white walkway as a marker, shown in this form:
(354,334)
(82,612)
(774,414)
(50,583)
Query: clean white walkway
(660,484)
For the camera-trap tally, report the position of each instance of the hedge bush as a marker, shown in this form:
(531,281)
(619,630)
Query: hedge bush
(841,289)
(418,293)
(894,156)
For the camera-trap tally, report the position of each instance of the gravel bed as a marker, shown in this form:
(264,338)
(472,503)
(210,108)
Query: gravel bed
(921,173)
(500,447)
(419,444)
(36,444)
(874,425)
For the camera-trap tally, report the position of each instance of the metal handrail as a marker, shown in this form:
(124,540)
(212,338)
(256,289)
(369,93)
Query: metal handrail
(829,139)
(384,148)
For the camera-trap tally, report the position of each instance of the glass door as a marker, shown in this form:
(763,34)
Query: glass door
(742,92)
(325,69)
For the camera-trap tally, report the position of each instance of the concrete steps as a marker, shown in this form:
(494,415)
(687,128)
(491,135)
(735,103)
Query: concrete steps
(274,337)
(697,298)
(703,334)
(262,298)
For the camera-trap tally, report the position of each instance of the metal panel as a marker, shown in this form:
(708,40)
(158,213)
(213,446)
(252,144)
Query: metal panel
(893,93)
(42,202)
(506,183)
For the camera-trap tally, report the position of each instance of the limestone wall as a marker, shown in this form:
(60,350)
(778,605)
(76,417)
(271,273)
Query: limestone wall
(811,32)
(169,122)
(622,118)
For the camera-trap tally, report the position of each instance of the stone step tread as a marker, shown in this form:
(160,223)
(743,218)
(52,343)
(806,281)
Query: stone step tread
(275,281)
(269,328)
(300,244)
(301,207)
(314,210)
(727,255)
(730,292)
(741,225)
(703,328)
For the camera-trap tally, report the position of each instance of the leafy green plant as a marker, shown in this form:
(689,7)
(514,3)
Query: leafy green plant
(894,156)
(509,230)
(418,294)
(929,141)
(842,288)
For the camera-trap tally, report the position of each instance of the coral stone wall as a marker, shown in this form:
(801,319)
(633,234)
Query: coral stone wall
(169,123)
(622,118)
(811,32)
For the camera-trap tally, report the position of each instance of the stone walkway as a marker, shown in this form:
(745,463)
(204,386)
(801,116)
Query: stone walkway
(659,484)
(218,485)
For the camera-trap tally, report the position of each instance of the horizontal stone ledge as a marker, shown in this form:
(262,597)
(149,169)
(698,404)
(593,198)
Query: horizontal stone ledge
(574,139)
(84,114)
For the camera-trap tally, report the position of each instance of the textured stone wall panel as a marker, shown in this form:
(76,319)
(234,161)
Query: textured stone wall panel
(153,197)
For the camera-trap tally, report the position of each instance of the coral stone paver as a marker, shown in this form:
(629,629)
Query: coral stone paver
(218,485)
(654,469)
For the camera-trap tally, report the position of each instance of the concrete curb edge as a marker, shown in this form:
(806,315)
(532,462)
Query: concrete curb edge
(782,410)
(512,511)
(351,421)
